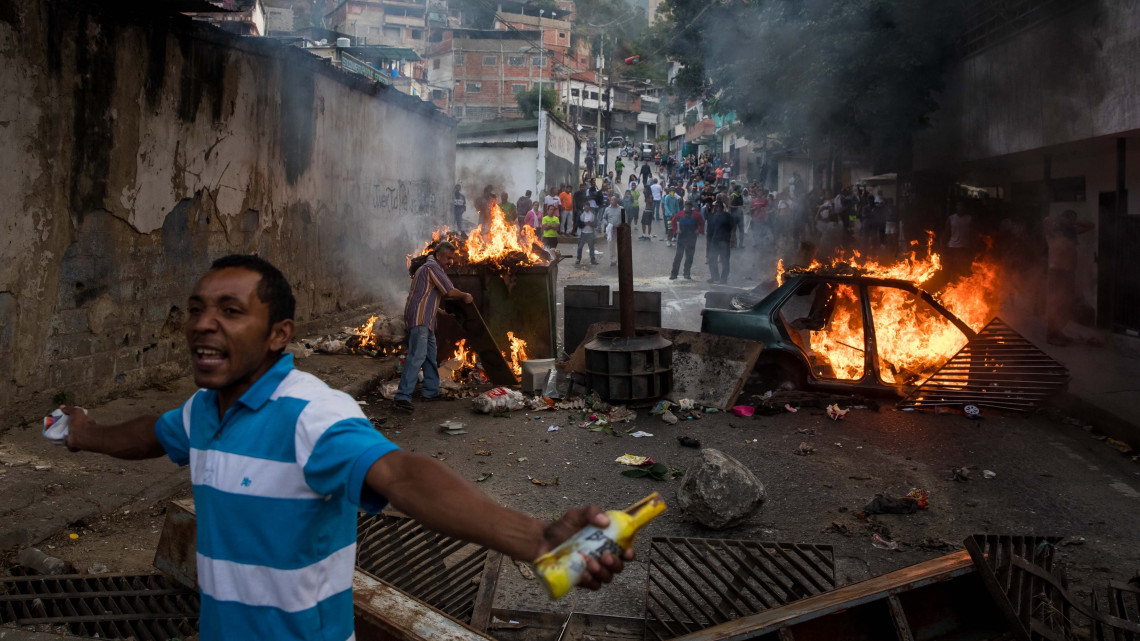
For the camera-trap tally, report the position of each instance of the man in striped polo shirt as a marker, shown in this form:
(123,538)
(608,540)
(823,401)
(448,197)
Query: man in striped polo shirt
(279,464)
(430,285)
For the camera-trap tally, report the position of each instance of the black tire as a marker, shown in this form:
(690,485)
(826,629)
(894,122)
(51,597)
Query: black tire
(781,374)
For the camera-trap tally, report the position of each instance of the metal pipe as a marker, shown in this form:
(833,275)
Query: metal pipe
(625,279)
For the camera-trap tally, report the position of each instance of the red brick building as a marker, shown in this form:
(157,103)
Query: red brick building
(475,74)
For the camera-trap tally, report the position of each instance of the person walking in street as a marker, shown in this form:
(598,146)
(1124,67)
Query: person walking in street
(647,218)
(619,166)
(579,203)
(646,172)
(720,245)
(657,190)
(430,285)
(611,218)
(959,241)
(281,464)
(687,225)
(550,226)
(458,207)
(523,205)
(736,211)
(634,208)
(586,224)
(670,205)
(566,202)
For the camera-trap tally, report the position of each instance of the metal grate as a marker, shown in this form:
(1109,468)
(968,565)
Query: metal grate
(147,607)
(1123,603)
(443,572)
(999,368)
(696,583)
(1019,573)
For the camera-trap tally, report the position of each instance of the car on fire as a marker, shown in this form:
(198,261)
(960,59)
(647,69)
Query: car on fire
(832,331)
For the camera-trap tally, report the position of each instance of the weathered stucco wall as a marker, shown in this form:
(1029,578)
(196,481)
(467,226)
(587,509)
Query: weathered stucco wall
(1072,78)
(137,148)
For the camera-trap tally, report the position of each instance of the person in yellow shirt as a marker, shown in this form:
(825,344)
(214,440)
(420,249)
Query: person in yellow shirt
(550,225)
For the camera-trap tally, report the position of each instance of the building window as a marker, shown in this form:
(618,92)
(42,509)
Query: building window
(392,32)
(575,93)
(460,59)
(437,94)
(490,61)
(474,87)
(417,34)
(593,95)
(561,34)
(516,89)
(516,61)
(536,61)
(435,64)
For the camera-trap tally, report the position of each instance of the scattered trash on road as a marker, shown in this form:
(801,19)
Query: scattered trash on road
(484,476)
(542,483)
(499,399)
(804,449)
(883,544)
(961,474)
(989,474)
(661,407)
(686,441)
(453,428)
(97,568)
(552,428)
(670,418)
(921,496)
(631,459)
(743,411)
(640,434)
(657,472)
(482,453)
(883,504)
(790,408)
(836,414)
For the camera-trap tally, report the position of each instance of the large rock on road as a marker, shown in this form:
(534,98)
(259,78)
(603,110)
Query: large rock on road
(719,492)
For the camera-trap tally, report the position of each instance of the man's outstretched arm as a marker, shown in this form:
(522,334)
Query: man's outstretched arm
(135,439)
(436,496)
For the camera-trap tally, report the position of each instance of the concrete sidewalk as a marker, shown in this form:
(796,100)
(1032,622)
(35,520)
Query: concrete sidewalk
(1104,388)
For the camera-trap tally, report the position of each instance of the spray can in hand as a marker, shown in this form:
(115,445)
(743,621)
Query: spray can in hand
(562,567)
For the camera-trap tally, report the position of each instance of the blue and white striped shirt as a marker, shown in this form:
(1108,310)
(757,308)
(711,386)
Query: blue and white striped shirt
(277,481)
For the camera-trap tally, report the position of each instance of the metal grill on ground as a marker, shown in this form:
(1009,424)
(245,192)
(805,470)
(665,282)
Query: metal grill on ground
(146,607)
(451,575)
(1020,574)
(695,583)
(999,369)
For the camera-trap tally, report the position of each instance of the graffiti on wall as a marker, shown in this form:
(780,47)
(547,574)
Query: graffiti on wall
(415,196)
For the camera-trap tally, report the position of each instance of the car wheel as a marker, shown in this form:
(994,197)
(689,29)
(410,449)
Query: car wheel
(781,374)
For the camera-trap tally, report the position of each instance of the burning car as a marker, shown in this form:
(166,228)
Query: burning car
(821,331)
(859,324)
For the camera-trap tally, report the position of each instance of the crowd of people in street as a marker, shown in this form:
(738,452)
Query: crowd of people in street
(692,196)
(677,199)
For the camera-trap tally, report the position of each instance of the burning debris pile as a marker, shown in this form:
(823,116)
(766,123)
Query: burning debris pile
(502,247)
(464,366)
(913,339)
(379,336)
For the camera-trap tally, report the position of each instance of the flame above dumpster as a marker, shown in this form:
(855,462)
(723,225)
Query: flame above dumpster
(503,245)
(912,338)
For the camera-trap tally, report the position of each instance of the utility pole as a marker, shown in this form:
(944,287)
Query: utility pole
(541,68)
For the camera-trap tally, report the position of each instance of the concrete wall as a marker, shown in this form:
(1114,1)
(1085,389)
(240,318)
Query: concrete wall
(559,157)
(1074,77)
(139,148)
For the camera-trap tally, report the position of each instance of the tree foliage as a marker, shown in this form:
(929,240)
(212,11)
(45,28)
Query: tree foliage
(861,73)
(528,101)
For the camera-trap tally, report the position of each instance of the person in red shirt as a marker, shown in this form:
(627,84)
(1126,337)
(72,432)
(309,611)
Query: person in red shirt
(687,225)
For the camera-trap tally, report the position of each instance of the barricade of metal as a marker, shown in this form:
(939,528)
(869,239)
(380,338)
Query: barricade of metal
(998,369)
(1020,574)
(456,577)
(695,583)
(146,607)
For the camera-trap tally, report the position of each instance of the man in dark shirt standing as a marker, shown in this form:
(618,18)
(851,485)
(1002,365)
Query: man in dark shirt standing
(720,243)
(458,206)
(523,205)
